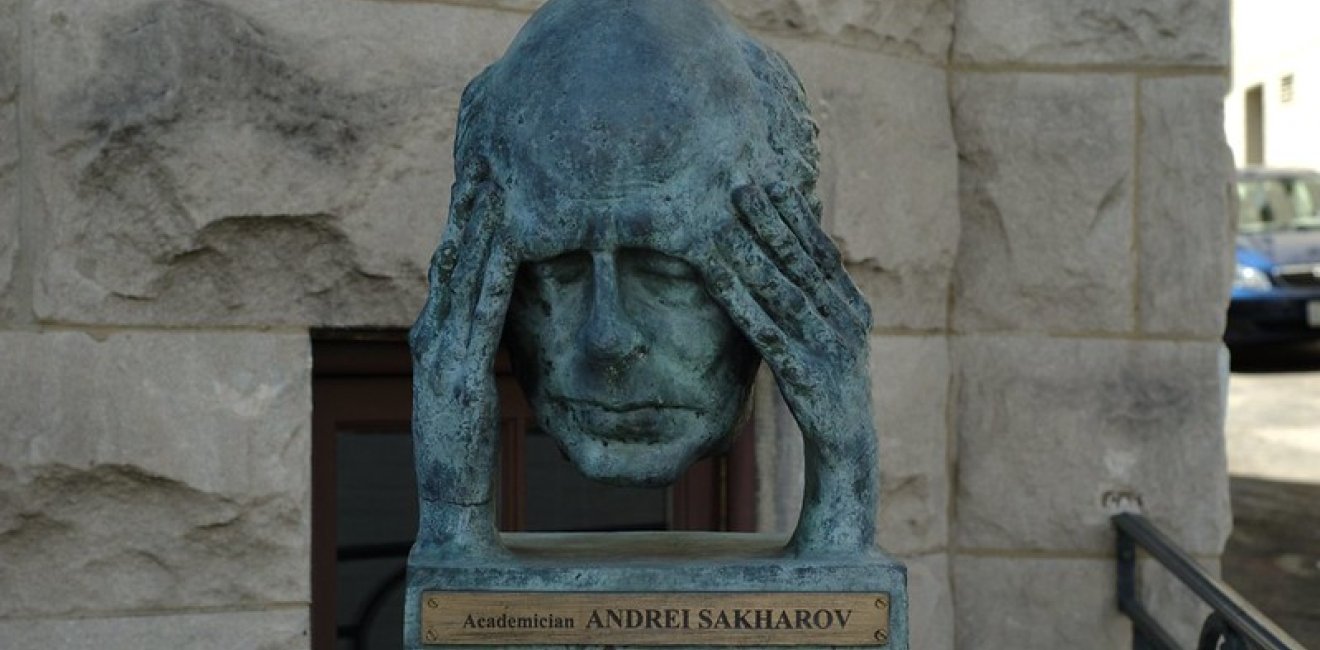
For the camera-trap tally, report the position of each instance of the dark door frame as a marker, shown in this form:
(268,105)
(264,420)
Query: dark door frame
(363,380)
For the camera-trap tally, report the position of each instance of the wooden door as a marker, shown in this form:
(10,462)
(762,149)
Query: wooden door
(364,510)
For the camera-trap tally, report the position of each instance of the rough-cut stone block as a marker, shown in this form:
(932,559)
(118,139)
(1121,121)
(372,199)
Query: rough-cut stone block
(1172,32)
(1037,603)
(930,602)
(9,192)
(247,162)
(1046,187)
(917,28)
(888,176)
(1061,603)
(10,57)
(275,629)
(1057,435)
(1186,221)
(910,385)
(153,470)
(237,163)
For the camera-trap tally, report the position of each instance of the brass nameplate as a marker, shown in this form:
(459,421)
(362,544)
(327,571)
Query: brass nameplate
(722,619)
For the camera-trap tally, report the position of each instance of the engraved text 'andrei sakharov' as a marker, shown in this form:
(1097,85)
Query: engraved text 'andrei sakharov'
(481,618)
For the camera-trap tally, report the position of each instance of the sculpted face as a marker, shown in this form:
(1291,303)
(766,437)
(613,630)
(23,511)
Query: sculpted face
(627,361)
(614,166)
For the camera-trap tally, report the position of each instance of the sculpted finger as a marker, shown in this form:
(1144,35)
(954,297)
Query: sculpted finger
(463,202)
(776,237)
(465,283)
(779,296)
(421,338)
(803,217)
(463,194)
(760,329)
(775,230)
(804,220)
(855,298)
(492,306)
(467,185)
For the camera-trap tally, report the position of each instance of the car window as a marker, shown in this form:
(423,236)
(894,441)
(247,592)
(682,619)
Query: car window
(1307,208)
(1275,204)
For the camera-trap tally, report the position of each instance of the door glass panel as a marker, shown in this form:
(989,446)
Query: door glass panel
(377,504)
(559,498)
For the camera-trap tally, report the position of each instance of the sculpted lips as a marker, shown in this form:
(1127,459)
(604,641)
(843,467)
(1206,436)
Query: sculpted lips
(622,407)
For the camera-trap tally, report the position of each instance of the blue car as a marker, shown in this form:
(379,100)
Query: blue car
(1276,289)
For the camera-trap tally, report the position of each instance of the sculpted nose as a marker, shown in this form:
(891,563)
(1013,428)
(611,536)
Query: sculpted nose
(609,336)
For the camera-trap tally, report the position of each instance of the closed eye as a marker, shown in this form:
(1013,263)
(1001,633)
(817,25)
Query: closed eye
(564,269)
(658,264)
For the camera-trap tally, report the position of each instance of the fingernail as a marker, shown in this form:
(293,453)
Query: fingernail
(779,191)
(448,256)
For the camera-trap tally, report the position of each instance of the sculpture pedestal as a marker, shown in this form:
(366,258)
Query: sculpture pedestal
(655,590)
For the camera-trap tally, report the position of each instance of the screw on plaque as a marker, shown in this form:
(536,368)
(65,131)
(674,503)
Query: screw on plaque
(882,636)
(433,602)
(882,602)
(431,636)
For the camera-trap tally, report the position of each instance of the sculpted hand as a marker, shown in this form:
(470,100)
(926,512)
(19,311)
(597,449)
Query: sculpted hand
(782,281)
(456,406)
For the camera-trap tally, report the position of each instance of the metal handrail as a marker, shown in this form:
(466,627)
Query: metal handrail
(1233,621)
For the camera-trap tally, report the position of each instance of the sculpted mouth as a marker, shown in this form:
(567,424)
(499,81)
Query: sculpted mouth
(623,407)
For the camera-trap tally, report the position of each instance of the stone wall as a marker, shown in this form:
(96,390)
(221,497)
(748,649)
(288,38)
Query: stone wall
(1087,301)
(1033,193)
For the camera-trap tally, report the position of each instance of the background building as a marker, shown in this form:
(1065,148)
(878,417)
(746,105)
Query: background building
(1034,194)
(1270,113)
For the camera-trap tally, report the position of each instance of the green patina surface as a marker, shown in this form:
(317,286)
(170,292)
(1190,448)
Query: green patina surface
(635,217)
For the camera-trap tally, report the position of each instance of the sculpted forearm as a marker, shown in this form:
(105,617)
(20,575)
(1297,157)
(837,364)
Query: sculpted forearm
(455,402)
(840,495)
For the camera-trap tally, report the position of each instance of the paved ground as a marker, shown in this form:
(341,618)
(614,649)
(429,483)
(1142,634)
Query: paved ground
(1273,432)
(1274,414)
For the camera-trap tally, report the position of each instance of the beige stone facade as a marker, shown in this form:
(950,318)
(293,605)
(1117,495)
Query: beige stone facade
(1271,108)
(1033,193)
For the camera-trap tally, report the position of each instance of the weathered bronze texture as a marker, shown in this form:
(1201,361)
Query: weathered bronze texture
(635,220)
(635,214)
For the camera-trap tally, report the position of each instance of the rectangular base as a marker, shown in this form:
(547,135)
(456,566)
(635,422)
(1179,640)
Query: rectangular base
(656,590)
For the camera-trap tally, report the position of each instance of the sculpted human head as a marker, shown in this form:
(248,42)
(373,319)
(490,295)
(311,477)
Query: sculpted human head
(615,132)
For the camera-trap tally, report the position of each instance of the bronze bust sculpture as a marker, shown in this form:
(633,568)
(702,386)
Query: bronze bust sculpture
(637,201)
(634,218)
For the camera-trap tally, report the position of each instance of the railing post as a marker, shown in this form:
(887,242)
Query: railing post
(1127,585)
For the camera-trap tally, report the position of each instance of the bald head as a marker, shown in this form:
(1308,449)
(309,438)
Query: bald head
(633,102)
(615,132)
(605,95)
